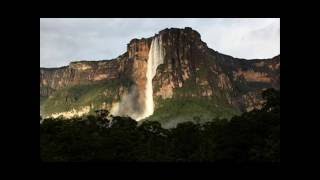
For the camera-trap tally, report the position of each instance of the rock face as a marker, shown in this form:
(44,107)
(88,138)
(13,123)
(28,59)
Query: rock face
(190,70)
(132,103)
(52,79)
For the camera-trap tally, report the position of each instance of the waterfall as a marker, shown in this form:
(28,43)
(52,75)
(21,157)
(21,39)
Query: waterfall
(156,56)
(128,102)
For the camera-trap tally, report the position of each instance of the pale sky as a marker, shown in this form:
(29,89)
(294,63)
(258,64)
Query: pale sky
(63,40)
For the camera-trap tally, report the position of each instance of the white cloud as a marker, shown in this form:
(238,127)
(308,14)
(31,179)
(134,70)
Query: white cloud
(65,40)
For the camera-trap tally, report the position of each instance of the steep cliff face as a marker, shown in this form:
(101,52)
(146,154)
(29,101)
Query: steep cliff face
(190,77)
(132,102)
(81,72)
(197,80)
(118,83)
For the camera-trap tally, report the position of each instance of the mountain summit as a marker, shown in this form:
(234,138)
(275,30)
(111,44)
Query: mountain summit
(170,77)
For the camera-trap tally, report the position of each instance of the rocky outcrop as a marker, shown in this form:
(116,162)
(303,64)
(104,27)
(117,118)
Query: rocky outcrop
(190,70)
(191,65)
(52,79)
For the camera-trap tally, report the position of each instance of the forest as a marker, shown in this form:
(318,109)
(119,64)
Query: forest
(250,137)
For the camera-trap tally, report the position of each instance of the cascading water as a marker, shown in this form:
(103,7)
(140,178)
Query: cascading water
(156,56)
(125,106)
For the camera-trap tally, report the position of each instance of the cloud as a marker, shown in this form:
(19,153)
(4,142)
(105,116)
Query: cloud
(66,40)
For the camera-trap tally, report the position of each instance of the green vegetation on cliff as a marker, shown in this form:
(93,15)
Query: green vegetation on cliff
(170,112)
(78,96)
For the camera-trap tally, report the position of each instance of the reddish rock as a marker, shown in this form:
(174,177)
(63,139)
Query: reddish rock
(188,64)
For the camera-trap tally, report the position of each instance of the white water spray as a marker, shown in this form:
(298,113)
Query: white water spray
(125,106)
(156,56)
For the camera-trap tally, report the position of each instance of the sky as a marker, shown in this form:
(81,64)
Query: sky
(63,40)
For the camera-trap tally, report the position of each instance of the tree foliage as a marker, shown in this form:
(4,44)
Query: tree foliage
(251,137)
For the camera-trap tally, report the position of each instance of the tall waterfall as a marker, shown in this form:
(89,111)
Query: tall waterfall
(128,102)
(156,56)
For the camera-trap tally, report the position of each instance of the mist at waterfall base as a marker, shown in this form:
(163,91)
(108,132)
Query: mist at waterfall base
(139,104)
(129,104)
